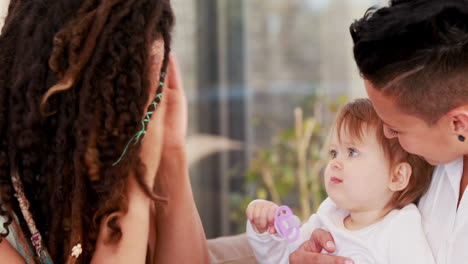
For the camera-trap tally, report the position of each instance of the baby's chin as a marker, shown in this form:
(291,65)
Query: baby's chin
(340,201)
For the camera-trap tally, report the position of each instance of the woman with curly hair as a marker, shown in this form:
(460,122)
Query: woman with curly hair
(85,177)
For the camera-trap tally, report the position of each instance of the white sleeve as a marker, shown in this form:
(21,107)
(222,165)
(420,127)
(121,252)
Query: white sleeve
(267,249)
(12,236)
(408,244)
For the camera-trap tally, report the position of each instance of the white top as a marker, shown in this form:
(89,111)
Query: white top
(397,239)
(446,228)
(13,237)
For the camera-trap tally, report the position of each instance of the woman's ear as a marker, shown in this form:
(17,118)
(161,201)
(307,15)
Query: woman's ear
(400,177)
(459,118)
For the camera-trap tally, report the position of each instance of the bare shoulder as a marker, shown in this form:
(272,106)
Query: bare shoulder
(8,254)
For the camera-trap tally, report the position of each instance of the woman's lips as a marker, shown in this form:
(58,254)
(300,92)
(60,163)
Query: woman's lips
(335,180)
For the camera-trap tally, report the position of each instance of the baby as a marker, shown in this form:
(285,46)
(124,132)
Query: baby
(371,184)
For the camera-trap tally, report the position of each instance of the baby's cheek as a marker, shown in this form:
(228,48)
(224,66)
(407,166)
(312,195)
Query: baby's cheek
(361,186)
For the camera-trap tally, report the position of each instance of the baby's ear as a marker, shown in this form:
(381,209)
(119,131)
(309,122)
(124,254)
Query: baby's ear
(401,175)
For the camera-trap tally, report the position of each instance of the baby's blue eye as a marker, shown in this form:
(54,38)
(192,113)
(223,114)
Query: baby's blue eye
(333,154)
(352,152)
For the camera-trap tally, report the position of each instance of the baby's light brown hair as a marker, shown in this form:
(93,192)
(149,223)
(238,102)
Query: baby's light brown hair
(358,116)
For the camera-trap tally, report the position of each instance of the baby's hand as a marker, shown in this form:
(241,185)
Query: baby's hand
(261,214)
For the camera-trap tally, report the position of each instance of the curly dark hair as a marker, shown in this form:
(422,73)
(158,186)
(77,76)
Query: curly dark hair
(86,62)
(417,52)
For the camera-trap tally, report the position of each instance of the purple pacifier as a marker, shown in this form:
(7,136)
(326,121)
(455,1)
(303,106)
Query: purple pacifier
(287,224)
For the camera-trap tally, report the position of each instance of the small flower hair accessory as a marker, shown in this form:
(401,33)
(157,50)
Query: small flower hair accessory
(76,251)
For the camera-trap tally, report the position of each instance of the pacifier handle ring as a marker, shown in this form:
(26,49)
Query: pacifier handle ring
(295,237)
(282,214)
